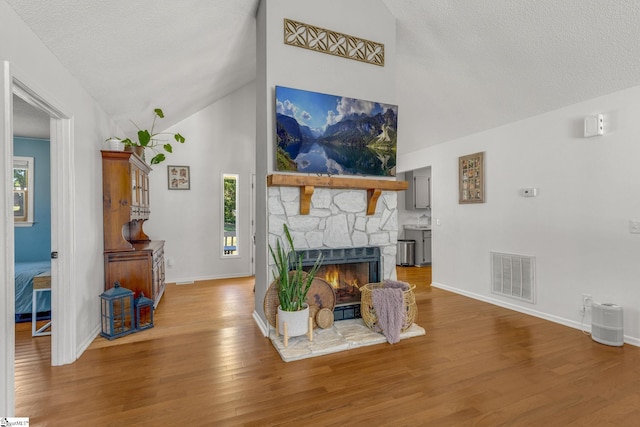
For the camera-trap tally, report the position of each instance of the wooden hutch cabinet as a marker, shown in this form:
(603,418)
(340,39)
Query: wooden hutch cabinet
(130,257)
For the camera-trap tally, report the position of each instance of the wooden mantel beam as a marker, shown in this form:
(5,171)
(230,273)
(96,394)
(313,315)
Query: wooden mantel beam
(307,185)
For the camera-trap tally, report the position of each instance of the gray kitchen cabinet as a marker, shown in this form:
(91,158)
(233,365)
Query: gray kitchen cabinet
(418,195)
(423,244)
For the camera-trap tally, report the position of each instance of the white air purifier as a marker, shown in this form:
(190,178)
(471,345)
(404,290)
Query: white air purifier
(607,324)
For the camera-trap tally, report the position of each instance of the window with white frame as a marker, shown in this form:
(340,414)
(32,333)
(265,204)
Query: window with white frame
(229,214)
(23,191)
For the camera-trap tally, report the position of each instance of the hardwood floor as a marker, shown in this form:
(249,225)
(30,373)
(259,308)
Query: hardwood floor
(206,363)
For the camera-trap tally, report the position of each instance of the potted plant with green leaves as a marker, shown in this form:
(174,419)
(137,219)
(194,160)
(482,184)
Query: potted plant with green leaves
(293,285)
(149,139)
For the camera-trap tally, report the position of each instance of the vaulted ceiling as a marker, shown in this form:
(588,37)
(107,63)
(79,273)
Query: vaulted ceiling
(472,64)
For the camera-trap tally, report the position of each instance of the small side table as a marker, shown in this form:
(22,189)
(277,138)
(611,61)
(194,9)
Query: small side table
(41,283)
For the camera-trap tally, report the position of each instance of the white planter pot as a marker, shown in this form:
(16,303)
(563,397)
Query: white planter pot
(114,144)
(297,321)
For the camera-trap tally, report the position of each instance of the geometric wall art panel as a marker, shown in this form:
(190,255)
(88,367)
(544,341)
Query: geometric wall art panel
(333,43)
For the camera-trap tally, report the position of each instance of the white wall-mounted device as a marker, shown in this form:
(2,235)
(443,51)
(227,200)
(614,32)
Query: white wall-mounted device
(607,324)
(529,192)
(593,125)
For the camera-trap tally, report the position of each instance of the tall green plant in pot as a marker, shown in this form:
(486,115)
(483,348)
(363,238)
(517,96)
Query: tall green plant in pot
(292,281)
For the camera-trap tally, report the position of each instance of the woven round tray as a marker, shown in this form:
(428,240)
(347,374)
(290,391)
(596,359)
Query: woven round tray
(324,318)
(320,295)
(369,316)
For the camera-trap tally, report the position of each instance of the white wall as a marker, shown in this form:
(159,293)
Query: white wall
(35,65)
(283,65)
(577,227)
(219,139)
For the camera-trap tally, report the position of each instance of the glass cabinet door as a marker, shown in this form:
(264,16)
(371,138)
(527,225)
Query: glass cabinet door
(135,186)
(145,191)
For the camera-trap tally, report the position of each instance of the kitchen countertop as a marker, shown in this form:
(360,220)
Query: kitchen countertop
(416,227)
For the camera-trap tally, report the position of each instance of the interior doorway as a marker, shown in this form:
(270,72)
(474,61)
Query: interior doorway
(32,218)
(31,121)
(63,338)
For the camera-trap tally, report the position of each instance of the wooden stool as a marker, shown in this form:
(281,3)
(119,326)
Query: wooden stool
(41,283)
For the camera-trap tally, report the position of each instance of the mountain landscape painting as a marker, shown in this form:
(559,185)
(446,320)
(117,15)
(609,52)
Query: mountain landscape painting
(334,135)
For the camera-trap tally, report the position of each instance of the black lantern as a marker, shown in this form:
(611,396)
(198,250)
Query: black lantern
(117,312)
(144,312)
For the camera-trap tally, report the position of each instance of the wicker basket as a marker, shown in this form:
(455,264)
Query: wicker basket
(369,314)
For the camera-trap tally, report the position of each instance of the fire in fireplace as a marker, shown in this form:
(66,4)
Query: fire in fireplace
(346,280)
(346,269)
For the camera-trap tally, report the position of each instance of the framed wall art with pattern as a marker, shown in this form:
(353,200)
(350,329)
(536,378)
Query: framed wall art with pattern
(471,178)
(178,178)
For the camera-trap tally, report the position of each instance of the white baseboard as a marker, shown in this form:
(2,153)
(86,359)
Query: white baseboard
(264,328)
(87,341)
(190,280)
(552,318)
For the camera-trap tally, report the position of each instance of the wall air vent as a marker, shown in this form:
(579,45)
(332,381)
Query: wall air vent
(513,276)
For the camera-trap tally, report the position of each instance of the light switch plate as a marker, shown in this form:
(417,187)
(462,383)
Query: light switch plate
(634,226)
(593,125)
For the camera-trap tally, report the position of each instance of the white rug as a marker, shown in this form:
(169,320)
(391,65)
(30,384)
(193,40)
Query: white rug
(344,335)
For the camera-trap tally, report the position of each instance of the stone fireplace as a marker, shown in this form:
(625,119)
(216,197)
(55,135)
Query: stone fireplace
(339,219)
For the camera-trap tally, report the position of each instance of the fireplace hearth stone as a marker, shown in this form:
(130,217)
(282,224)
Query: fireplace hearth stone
(342,336)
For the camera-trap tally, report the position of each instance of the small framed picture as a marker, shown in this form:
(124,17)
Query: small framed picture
(471,178)
(179,178)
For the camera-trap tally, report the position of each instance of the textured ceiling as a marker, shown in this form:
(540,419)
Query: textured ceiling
(134,56)
(469,64)
(475,65)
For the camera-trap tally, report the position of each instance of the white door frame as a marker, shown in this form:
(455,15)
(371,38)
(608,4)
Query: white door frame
(63,331)
(252,212)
